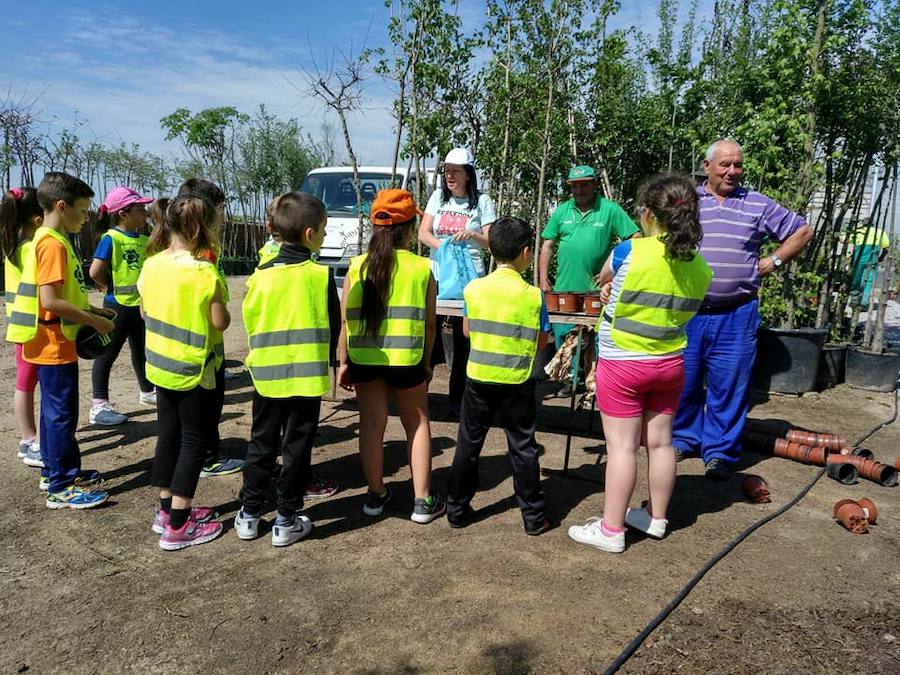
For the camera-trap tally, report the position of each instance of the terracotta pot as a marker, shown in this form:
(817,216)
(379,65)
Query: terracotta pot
(811,438)
(880,473)
(863,452)
(569,302)
(850,514)
(592,304)
(552,300)
(855,460)
(838,504)
(843,473)
(818,456)
(868,507)
(756,490)
(897,464)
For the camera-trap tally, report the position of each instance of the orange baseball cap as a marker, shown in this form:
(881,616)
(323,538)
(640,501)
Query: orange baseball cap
(392,207)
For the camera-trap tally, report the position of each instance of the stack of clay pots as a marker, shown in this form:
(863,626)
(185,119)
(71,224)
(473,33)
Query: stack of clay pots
(856,515)
(844,463)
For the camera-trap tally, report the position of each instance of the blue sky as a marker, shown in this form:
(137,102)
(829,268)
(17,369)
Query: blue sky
(120,67)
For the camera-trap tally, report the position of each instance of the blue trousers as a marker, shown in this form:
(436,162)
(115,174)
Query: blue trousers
(59,419)
(718,363)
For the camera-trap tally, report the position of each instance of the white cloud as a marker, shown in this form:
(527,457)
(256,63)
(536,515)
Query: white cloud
(122,76)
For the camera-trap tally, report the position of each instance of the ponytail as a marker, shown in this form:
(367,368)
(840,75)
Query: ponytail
(192,219)
(18,208)
(159,238)
(377,271)
(673,200)
(105,219)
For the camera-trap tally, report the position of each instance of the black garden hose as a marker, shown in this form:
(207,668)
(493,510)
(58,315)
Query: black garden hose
(638,640)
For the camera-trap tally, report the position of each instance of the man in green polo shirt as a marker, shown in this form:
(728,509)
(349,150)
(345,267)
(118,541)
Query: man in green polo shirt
(584,228)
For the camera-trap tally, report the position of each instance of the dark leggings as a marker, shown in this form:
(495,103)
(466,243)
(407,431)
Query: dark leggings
(185,429)
(218,404)
(129,326)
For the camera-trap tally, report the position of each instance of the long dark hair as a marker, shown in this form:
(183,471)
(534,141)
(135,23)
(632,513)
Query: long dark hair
(192,219)
(377,271)
(471,187)
(673,200)
(17,209)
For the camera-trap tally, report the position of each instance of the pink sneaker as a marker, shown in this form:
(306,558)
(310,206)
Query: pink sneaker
(191,534)
(199,514)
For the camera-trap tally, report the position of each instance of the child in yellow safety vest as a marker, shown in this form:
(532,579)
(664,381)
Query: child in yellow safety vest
(50,310)
(216,464)
(507,322)
(385,348)
(184,305)
(292,317)
(117,263)
(20,216)
(654,284)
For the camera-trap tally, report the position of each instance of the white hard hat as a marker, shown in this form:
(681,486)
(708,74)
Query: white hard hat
(459,156)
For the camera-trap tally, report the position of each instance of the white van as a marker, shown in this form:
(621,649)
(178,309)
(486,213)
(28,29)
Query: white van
(334,186)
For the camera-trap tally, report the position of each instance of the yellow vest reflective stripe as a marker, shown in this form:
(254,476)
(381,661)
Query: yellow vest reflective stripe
(128,255)
(176,292)
(286,317)
(401,338)
(12,274)
(23,320)
(658,298)
(504,313)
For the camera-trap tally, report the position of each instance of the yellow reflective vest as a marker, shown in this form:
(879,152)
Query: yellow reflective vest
(286,316)
(12,273)
(401,337)
(128,255)
(504,313)
(176,292)
(23,319)
(657,299)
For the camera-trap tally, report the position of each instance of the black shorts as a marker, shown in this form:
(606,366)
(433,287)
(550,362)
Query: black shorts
(396,377)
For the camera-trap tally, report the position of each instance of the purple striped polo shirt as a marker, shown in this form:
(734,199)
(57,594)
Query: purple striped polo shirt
(732,234)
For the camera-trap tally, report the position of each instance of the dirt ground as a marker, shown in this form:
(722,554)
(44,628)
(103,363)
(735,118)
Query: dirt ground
(92,592)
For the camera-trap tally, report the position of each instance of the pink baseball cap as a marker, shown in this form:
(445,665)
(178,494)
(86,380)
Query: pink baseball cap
(120,198)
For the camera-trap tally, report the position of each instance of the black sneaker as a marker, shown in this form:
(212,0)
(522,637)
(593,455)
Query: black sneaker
(423,512)
(375,503)
(464,520)
(545,526)
(718,470)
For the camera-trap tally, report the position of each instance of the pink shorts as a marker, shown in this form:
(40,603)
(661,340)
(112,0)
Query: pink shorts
(631,388)
(26,373)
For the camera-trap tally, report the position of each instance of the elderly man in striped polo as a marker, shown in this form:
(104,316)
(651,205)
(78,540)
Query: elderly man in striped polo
(722,336)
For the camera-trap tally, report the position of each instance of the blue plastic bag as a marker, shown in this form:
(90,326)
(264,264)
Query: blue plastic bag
(455,269)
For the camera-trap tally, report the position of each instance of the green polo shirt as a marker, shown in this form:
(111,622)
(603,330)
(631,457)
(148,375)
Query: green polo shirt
(584,240)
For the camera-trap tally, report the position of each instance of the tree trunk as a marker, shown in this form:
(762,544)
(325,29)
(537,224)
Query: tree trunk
(542,172)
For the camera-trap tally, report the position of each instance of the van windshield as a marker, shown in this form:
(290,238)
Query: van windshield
(336,190)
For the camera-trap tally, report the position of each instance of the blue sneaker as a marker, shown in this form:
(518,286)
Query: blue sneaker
(222,467)
(33,457)
(74,497)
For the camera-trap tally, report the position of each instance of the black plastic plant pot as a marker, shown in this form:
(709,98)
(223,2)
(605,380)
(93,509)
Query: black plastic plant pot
(875,372)
(787,359)
(843,473)
(831,366)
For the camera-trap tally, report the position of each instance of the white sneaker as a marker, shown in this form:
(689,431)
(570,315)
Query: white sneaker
(246,527)
(591,534)
(641,520)
(285,535)
(147,398)
(106,416)
(24,447)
